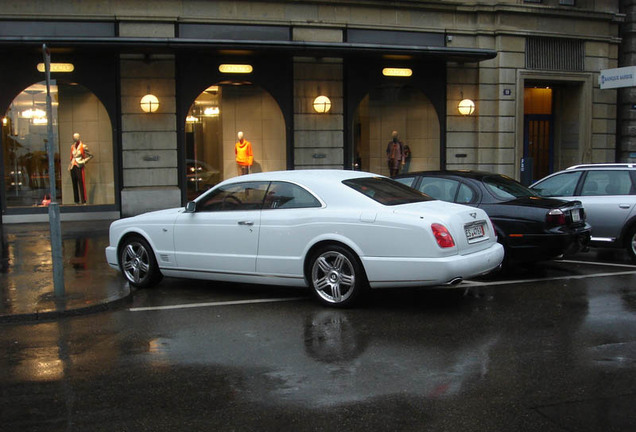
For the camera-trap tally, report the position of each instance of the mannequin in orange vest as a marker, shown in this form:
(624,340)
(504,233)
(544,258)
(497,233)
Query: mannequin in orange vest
(244,156)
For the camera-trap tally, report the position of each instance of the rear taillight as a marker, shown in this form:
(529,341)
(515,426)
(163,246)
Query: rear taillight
(443,237)
(555,217)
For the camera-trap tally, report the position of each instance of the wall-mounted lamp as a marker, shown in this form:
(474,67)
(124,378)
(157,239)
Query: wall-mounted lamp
(322,104)
(149,103)
(397,72)
(466,107)
(236,68)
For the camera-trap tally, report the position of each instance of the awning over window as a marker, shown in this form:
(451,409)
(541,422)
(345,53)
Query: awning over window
(243,37)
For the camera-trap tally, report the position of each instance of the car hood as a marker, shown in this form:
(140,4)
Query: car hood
(151,216)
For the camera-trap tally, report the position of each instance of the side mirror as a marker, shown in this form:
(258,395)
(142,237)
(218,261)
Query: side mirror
(191,207)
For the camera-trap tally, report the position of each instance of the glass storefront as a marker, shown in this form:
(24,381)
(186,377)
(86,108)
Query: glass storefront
(406,110)
(212,126)
(24,131)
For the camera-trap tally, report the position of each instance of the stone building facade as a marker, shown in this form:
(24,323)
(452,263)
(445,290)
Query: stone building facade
(626,148)
(530,67)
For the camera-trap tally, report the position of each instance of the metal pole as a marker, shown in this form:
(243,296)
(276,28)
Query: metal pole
(54,208)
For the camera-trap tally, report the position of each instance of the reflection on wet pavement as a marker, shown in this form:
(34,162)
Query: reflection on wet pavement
(551,356)
(26,284)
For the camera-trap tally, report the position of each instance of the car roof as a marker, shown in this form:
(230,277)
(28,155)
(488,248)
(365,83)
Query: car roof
(312,178)
(326,184)
(472,174)
(602,166)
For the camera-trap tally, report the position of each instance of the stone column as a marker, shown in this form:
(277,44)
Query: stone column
(318,138)
(149,140)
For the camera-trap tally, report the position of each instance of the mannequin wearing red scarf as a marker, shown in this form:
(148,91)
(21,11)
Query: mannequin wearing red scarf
(78,177)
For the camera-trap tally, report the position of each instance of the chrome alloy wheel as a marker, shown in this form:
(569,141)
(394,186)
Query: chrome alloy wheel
(333,277)
(631,244)
(135,262)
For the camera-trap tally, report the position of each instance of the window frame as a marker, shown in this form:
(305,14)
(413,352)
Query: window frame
(204,199)
(317,203)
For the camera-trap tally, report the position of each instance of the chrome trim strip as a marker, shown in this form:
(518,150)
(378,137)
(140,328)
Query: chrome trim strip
(603,239)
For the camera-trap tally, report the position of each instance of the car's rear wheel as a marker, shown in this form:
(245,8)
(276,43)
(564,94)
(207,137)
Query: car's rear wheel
(337,277)
(138,263)
(631,244)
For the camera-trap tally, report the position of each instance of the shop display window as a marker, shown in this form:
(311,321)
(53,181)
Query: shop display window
(75,109)
(212,130)
(405,110)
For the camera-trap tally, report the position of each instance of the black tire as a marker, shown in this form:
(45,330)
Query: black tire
(138,264)
(630,244)
(336,276)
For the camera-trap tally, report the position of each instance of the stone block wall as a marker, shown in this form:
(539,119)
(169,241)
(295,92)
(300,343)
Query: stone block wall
(492,139)
(149,140)
(318,138)
(627,96)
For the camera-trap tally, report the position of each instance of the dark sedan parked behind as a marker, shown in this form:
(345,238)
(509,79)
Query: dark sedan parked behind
(530,227)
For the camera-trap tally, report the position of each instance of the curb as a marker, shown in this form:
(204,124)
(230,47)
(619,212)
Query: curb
(37,317)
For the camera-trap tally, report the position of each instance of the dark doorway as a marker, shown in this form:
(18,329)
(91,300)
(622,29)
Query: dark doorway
(538,134)
(538,146)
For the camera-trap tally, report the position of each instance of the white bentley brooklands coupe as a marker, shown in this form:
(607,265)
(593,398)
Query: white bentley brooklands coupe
(337,232)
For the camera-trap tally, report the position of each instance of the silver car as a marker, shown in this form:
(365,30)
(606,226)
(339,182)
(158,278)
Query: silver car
(608,194)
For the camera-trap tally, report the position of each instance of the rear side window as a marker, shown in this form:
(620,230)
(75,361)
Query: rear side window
(610,182)
(386,191)
(409,181)
(505,188)
(465,195)
(563,184)
(283,195)
(439,188)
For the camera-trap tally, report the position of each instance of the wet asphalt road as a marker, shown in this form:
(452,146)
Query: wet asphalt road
(546,348)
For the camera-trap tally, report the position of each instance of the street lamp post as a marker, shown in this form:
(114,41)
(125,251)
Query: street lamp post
(54,208)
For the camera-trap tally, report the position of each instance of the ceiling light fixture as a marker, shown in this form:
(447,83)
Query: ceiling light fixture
(236,68)
(397,72)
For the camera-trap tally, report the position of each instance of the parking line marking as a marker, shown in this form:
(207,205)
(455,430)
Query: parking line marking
(466,283)
(213,304)
(469,283)
(597,263)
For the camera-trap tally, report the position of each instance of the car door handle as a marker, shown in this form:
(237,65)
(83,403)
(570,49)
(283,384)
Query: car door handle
(248,223)
(624,206)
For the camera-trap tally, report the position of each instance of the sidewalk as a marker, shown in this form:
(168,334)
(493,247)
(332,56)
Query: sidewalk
(26,272)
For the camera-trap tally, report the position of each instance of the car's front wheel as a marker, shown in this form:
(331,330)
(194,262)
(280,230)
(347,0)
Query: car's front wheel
(138,263)
(631,244)
(337,277)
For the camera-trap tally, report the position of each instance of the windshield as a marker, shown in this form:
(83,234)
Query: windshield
(505,188)
(386,191)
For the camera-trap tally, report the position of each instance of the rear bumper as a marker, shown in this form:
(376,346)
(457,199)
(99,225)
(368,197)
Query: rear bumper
(395,272)
(536,247)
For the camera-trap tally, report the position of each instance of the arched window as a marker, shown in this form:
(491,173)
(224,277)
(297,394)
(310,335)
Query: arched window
(75,109)
(212,125)
(406,110)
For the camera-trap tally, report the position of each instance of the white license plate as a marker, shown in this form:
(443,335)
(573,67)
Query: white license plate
(576,217)
(474,231)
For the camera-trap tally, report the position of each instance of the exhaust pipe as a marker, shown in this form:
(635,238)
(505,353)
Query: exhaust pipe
(455,281)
